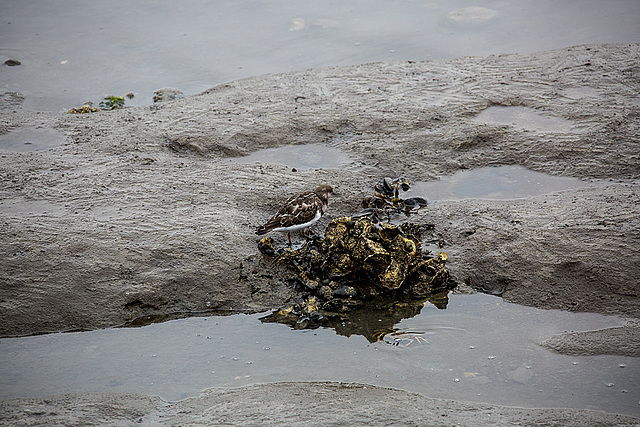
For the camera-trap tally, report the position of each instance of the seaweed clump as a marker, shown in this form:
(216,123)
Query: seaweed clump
(359,263)
(108,103)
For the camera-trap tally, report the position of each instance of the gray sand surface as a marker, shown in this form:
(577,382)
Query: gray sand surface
(140,212)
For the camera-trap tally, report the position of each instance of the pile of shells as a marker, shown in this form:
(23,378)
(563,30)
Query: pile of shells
(362,264)
(357,261)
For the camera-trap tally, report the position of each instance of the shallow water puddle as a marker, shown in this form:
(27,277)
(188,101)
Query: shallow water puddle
(31,139)
(307,156)
(164,45)
(502,182)
(525,118)
(479,349)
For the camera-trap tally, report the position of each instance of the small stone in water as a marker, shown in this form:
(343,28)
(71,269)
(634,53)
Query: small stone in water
(457,380)
(610,384)
(267,348)
(491,357)
(472,347)
(622,365)
(236,358)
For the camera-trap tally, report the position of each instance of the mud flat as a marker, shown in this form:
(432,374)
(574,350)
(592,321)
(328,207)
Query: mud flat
(141,212)
(298,404)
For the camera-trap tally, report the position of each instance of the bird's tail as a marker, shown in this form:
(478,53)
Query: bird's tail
(261,230)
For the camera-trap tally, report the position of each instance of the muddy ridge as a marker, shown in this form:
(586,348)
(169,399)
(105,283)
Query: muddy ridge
(139,212)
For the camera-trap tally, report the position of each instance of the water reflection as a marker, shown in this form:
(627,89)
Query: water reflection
(307,156)
(498,183)
(374,319)
(489,346)
(142,321)
(31,139)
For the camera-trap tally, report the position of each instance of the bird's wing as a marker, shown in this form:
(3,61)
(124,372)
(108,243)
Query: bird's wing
(296,210)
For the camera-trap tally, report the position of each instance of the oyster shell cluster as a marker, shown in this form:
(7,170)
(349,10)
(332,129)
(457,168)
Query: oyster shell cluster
(363,264)
(85,109)
(357,261)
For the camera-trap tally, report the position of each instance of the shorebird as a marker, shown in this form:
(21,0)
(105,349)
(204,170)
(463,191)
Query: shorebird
(299,212)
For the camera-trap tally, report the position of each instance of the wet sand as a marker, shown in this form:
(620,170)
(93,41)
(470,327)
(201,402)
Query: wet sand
(141,213)
(294,404)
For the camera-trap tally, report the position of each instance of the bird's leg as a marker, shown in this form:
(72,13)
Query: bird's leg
(308,234)
(289,237)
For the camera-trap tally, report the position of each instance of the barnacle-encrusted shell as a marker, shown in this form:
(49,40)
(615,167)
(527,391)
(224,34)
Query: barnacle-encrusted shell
(358,260)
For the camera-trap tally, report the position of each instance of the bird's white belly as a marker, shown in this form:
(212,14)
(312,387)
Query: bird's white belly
(300,226)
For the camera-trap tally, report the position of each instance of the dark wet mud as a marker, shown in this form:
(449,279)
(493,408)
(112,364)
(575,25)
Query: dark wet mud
(142,213)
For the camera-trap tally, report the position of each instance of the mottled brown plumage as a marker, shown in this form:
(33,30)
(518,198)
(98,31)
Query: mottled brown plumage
(299,212)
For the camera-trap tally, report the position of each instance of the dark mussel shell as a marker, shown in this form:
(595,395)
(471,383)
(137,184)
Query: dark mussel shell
(345,292)
(415,201)
(387,186)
